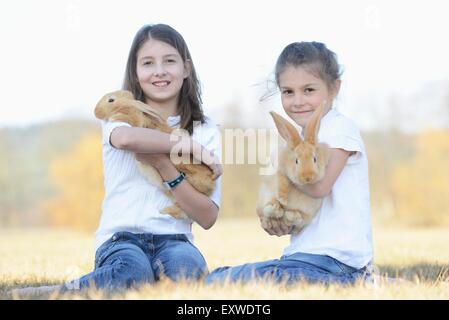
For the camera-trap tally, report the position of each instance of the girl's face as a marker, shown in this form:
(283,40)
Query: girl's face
(302,92)
(161,72)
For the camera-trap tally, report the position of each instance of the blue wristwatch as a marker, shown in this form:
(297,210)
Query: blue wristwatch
(169,185)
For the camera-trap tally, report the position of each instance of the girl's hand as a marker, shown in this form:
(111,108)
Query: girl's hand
(273,226)
(217,170)
(157,160)
(212,161)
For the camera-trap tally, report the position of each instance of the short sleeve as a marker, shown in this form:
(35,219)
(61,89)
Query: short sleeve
(107,127)
(209,136)
(342,133)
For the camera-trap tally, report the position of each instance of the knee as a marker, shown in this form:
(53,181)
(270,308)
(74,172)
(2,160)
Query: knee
(184,268)
(219,275)
(130,272)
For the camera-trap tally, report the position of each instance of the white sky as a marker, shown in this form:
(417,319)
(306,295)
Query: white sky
(59,57)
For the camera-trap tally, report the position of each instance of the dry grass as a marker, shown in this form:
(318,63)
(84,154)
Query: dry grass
(47,256)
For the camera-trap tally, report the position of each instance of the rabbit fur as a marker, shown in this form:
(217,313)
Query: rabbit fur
(121,106)
(300,162)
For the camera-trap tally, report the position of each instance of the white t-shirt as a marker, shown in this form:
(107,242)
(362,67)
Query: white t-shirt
(342,227)
(131,203)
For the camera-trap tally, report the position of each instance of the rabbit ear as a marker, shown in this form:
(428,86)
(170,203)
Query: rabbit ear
(286,130)
(313,126)
(148,110)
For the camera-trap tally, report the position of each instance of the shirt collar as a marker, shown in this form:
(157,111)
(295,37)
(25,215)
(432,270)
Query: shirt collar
(329,115)
(173,120)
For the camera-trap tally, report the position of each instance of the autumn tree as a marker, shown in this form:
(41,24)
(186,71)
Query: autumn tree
(78,177)
(421,184)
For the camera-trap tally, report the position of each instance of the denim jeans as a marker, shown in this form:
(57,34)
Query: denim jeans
(290,269)
(127,260)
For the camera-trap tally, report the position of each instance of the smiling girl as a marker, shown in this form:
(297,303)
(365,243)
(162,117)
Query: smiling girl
(135,243)
(337,245)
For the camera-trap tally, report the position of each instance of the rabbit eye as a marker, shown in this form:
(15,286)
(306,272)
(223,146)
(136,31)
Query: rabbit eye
(111,100)
(296,161)
(314,159)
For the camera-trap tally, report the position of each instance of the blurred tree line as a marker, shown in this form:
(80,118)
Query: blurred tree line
(25,158)
(52,174)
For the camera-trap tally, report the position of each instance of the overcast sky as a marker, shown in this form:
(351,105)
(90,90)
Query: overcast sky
(59,57)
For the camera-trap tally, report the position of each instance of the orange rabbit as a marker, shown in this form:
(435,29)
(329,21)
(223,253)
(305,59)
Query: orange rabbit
(300,162)
(121,106)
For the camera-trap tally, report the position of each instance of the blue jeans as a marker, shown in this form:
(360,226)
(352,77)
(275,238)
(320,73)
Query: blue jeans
(127,260)
(289,269)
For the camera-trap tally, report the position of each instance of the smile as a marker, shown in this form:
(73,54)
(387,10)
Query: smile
(161,83)
(302,112)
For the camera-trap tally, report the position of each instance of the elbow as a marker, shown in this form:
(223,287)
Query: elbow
(120,144)
(121,138)
(208,222)
(208,225)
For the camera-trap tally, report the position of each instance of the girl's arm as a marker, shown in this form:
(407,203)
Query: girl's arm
(198,206)
(143,140)
(337,161)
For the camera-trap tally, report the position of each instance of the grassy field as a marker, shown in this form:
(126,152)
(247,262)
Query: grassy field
(48,256)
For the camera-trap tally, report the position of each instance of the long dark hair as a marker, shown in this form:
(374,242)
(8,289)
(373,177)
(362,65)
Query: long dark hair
(189,101)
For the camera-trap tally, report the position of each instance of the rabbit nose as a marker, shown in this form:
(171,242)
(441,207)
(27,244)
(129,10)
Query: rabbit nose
(308,177)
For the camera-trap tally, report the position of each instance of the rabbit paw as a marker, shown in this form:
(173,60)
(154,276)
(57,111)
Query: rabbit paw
(293,217)
(273,209)
(283,201)
(289,218)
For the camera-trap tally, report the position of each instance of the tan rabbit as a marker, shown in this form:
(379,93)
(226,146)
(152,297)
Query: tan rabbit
(121,106)
(300,162)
